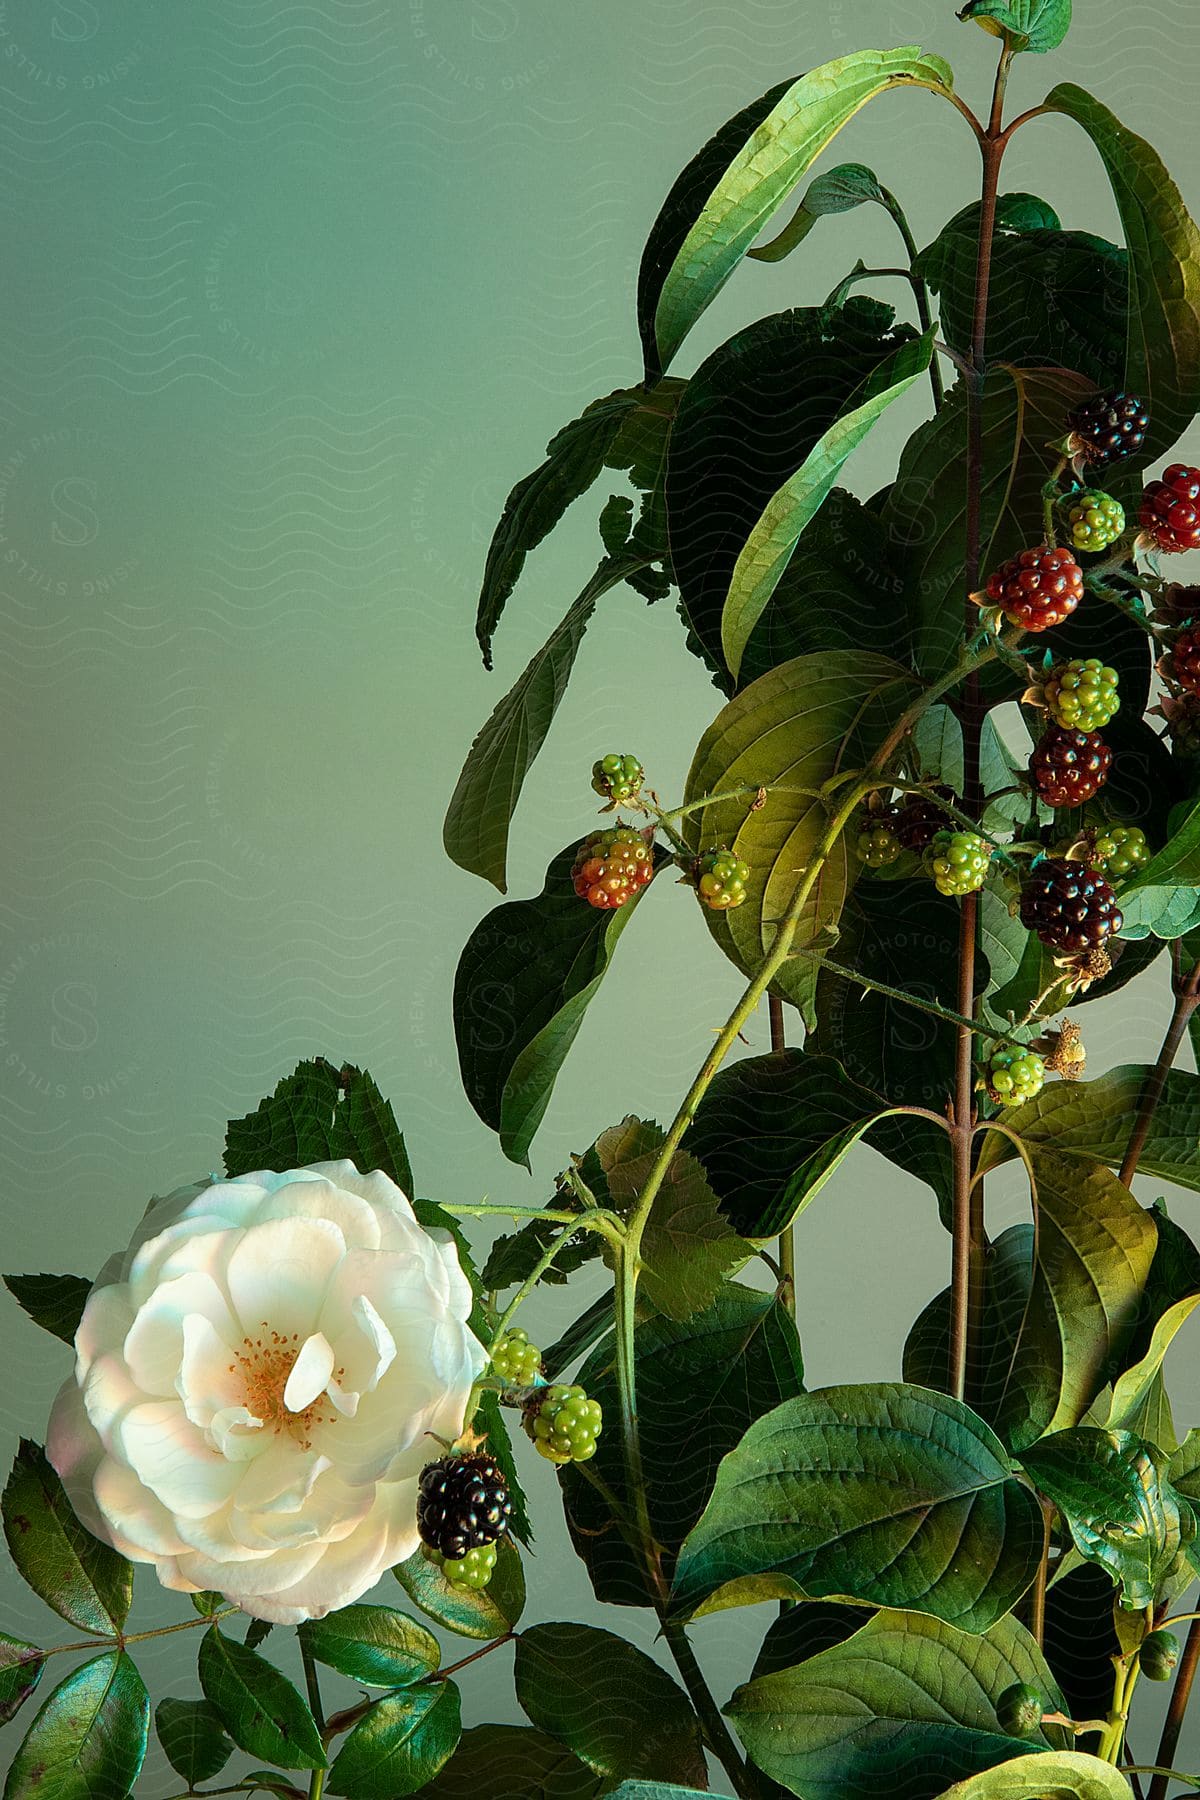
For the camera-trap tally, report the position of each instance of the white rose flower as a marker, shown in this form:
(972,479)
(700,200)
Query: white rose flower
(255,1382)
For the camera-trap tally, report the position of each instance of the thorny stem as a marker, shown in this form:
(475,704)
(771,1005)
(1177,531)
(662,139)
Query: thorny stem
(715,1729)
(140,1637)
(931,1007)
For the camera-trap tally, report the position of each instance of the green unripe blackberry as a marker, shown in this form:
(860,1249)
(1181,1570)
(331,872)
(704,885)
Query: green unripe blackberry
(564,1424)
(1015,1075)
(958,861)
(721,879)
(876,846)
(1158,1655)
(1019,1709)
(1082,694)
(618,778)
(474,1570)
(515,1360)
(1095,520)
(1120,849)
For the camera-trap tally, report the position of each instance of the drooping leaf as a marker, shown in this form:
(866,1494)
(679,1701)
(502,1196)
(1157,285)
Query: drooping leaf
(700,1385)
(1036,25)
(55,1302)
(511,1762)
(1138,1395)
(21,1667)
(1051,1775)
(1163,363)
(85,1581)
(475,833)
(525,979)
(373,1644)
(618,1711)
(882,1493)
(259,1707)
(476,1613)
(1092,1120)
(193,1738)
(399,1745)
(768,1124)
(768,549)
(1115,1496)
(89,1737)
(753,413)
(320,1113)
(902,1708)
(837,190)
(793,728)
(768,166)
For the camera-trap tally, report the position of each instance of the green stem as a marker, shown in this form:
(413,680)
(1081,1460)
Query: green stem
(920,289)
(316,1781)
(787,1237)
(715,1729)
(607,1224)
(140,1637)
(926,1006)
(1125,1680)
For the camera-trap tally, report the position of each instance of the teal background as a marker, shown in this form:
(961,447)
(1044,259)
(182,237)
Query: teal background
(295,293)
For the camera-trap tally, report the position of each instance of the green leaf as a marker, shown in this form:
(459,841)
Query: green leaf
(767,168)
(687,1247)
(89,1737)
(883,1493)
(1051,1775)
(700,1385)
(193,1738)
(1080,1638)
(574,458)
(1161,897)
(901,1708)
(525,979)
(836,191)
(1008,1278)
(55,1302)
(400,1745)
(617,1710)
(656,1790)
(484,1613)
(373,1644)
(21,1667)
(505,1762)
(320,1113)
(769,1124)
(804,1630)
(752,414)
(490,1421)
(1163,364)
(794,727)
(1139,1387)
(768,549)
(513,1258)
(259,1707)
(1113,1492)
(1037,25)
(85,1581)
(1091,1120)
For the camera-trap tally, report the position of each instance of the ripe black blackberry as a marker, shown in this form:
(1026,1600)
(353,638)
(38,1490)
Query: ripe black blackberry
(462,1503)
(1069,767)
(1070,907)
(1109,427)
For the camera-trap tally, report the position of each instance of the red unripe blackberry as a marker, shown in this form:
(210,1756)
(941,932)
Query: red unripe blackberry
(1070,907)
(1181,664)
(918,819)
(610,867)
(1170,514)
(1109,427)
(1037,588)
(462,1503)
(1069,767)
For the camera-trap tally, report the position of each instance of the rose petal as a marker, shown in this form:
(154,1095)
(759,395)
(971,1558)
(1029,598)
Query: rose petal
(170,1457)
(278,1272)
(309,1373)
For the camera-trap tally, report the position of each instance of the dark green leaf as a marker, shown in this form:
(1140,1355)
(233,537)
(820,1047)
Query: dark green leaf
(525,979)
(1080,1641)
(1008,1277)
(259,1707)
(55,1302)
(21,1667)
(887,1494)
(207,1601)
(82,1579)
(902,1708)
(257,1632)
(512,1259)
(773,159)
(373,1644)
(320,1113)
(513,1762)
(484,1613)
(617,1710)
(1037,25)
(400,1745)
(837,190)
(700,1384)
(656,1790)
(1091,1120)
(594,1323)
(491,1422)
(805,1630)
(193,1738)
(89,1737)
(1065,1774)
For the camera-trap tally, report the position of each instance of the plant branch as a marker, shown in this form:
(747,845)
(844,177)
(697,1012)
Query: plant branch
(1187,998)
(316,1781)
(139,1637)
(1172,1729)
(787,1237)
(716,1731)
(926,1006)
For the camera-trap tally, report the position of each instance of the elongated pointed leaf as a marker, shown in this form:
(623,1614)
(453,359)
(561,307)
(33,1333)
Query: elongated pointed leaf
(87,1582)
(503,1762)
(1163,364)
(1137,1389)
(1050,1775)
(902,1708)
(21,1666)
(193,1738)
(837,190)
(887,1494)
(400,1745)
(770,545)
(55,1302)
(771,163)
(1037,25)
(89,1737)
(320,1113)
(1091,1120)
(259,1707)
(525,979)
(373,1644)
